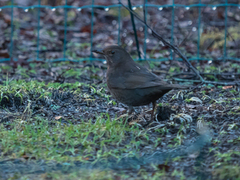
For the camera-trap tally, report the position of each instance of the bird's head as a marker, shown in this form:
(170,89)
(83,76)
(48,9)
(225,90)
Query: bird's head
(114,55)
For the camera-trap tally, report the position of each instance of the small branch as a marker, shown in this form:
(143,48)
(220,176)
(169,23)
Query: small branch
(134,29)
(144,12)
(217,75)
(233,83)
(178,52)
(174,48)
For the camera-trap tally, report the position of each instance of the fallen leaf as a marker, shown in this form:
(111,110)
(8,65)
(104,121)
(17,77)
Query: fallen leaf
(191,106)
(236,108)
(193,155)
(85,158)
(182,117)
(58,117)
(227,87)
(196,99)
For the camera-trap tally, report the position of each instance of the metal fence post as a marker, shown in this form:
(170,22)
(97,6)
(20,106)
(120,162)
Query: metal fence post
(11,45)
(92,15)
(65,30)
(225,34)
(119,24)
(145,32)
(172,29)
(38,29)
(199,29)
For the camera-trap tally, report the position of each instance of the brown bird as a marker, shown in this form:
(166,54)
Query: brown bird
(130,83)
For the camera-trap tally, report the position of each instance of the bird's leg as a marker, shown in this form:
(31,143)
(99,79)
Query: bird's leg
(130,110)
(153,108)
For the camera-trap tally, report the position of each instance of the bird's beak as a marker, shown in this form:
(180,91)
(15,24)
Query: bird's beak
(98,51)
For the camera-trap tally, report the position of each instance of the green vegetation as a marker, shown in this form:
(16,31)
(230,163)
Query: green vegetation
(30,134)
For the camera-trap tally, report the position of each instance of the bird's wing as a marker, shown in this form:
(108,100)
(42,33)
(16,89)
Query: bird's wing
(138,77)
(143,79)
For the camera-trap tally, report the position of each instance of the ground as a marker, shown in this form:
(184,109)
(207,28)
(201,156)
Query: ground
(59,120)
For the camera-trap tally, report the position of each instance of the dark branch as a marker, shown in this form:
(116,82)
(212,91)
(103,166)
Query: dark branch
(174,48)
(177,51)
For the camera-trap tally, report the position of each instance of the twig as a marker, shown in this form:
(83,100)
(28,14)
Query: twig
(178,52)
(233,83)
(134,29)
(218,75)
(145,20)
(174,48)
(144,12)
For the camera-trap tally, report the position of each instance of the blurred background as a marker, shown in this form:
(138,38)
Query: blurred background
(40,30)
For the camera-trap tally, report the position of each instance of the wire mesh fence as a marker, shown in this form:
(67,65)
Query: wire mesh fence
(68,30)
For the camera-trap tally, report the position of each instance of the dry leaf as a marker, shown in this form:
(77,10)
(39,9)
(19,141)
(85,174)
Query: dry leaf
(58,117)
(227,87)
(195,99)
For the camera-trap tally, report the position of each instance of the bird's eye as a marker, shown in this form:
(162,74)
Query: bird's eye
(112,52)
